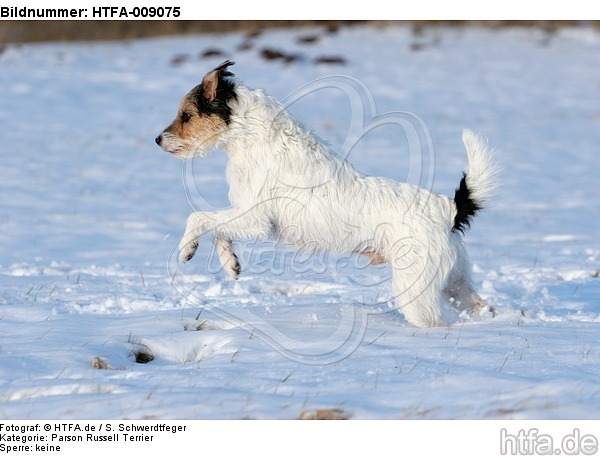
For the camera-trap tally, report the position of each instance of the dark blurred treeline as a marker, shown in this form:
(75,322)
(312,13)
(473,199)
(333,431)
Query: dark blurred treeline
(12,31)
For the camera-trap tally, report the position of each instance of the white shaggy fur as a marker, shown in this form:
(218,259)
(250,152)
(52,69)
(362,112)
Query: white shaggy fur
(481,173)
(283,182)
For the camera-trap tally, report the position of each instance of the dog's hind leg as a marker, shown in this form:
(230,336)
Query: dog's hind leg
(419,304)
(460,290)
(228,259)
(420,271)
(462,295)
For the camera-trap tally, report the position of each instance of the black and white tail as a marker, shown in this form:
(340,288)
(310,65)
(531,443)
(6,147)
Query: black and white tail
(478,183)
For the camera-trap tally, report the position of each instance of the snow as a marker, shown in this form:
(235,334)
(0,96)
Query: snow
(92,211)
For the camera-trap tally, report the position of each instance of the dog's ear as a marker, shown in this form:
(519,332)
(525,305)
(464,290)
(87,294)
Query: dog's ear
(211,80)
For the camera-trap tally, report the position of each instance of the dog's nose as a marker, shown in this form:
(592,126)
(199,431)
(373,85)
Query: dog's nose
(158,139)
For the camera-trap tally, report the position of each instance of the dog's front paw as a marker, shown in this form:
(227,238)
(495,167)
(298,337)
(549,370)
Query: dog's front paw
(233,267)
(228,259)
(187,250)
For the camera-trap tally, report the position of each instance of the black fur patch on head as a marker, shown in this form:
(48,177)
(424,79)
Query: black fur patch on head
(466,206)
(225,92)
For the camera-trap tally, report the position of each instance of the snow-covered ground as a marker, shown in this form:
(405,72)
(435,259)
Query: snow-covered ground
(92,211)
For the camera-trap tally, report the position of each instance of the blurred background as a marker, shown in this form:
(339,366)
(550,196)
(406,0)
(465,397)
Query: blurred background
(33,31)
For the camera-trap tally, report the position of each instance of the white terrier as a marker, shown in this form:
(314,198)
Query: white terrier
(284,182)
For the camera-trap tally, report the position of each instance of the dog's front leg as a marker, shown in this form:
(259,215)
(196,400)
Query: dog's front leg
(228,259)
(195,227)
(226,226)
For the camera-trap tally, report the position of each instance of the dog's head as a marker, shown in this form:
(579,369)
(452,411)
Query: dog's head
(204,114)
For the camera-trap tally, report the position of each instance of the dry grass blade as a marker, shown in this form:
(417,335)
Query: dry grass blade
(100,363)
(325,414)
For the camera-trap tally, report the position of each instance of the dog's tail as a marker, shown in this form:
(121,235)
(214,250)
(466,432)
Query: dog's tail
(478,183)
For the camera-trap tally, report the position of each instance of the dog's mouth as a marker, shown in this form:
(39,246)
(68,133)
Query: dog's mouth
(178,148)
(179,153)
(166,143)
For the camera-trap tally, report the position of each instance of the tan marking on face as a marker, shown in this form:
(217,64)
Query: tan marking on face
(192,133)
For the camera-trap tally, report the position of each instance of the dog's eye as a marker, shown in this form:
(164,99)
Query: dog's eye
(185,117)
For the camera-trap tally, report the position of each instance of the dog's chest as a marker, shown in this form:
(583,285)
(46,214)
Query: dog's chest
(245,185)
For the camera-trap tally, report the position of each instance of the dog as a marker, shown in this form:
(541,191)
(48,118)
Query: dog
(284,183)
